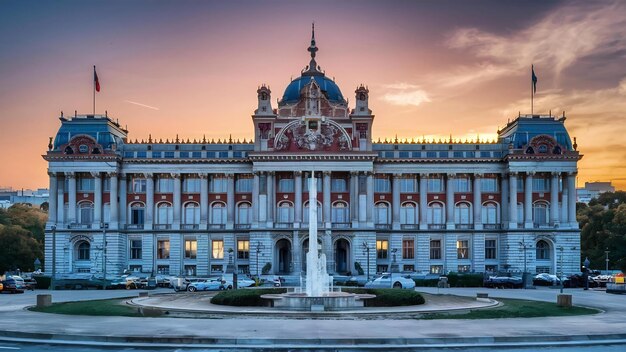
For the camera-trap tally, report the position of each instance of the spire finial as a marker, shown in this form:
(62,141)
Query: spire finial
(313,68)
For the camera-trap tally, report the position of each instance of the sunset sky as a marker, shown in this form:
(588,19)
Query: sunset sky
(191,68)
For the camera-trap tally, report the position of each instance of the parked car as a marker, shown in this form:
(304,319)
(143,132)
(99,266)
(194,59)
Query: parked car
(206,285)
(242,281)
(391,281)
(11,285)
(504,282)
(544,279)
(273,280)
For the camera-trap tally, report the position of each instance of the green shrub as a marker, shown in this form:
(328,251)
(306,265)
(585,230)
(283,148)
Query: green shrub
(426,282)
(43,282)
(465,280)
(358,268)
(388,297)
(245,297)
(266,268)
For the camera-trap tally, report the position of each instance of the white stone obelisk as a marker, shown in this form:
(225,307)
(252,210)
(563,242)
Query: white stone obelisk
(313,287)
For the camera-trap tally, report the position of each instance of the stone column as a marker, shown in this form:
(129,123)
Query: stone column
(176,199)
(504,202)
(395,201)
(354,198)
(528,201)
(370,199)
(230,198)
(326,189)
(297,253)
(204,200)
(61,215)
(149,201)
(255,199)
(97,200)
(513,200)
(478,203)
(71,208)
(53,199)
(123,198)
(571,199)
(297,207)
(113,201)
(564,201)
(450,201)
(554,199)
(271,198)
(423,208)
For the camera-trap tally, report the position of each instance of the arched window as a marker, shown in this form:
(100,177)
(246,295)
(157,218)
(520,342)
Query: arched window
(381,213)
(408,213)
(462,213)
(85,212)
(137,213)
(305,212)
(244,213)
(192,214)
(82,250)
(165,214)
(218,213)
(435,213)
(285,212)
(540,213)
(543,250)
(489,213)
(340,212)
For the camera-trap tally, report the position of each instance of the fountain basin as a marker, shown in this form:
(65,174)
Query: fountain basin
(327,302)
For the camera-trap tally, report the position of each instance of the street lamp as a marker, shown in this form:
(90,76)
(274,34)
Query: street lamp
(104,227)
(524,246)
(366,249)
(585,272)
(607,260)
(259,247)
(54,256)
(561,275)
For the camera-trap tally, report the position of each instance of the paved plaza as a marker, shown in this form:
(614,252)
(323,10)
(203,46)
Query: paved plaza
(610,326)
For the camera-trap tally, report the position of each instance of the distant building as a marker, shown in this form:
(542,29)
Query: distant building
(187,207)
(593,190)
(36,198)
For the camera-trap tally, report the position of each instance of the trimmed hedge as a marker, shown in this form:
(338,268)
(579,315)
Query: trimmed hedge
(388,297)
(245,297)
(426,282)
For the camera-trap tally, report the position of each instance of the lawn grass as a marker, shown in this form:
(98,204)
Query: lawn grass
(105,307)
(517,308)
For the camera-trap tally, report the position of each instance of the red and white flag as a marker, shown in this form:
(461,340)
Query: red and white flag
(95,79)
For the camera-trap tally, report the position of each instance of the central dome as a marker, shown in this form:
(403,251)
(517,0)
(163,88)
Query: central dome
(327,86)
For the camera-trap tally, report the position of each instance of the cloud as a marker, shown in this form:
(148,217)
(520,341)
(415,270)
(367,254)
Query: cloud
(405,94)
(142,105)
(557,41)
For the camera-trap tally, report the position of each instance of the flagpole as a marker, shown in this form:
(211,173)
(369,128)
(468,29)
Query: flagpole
(532,93)
(94,90)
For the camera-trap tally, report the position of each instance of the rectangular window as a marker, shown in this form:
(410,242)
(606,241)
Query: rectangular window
(191,249)
(191,185)
(223,155)
(156,155)
(462,249)
(163,269)
(135,249)
(138,185)
(408,268)
(436,269)
(196,155)
(129,154)
(243,249)
(244,184)
(106,184)
(435,249)
(216,268)
(165,185)
(86,184)
(243,269)
(163,249)
(541,184)
(491,268)
(134,268)
(435,185)
(168,155)
(520,184)
(403,155)
(490,249)
(485,154)
(184,154)
(431,154)
(219,184)
(381,268)
(462,185)
(141,155)
(318,184)
(408,249)
(489,185)
(463,269)
(217,247)
(382,249)
(338,185)
(285,185)
(382,185)
(408,185)
(190,270)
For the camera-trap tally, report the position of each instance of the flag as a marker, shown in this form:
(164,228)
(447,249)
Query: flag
(534,78)
(95,79)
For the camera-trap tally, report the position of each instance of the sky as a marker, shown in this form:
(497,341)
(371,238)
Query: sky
(192,68)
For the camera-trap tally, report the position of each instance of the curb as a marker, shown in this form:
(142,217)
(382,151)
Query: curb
(333,343)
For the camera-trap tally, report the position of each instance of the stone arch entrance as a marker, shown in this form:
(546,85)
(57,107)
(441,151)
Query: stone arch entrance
(342,256)
(283,256)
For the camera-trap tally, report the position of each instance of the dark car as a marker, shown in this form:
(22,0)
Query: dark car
(504,282)
(11,285)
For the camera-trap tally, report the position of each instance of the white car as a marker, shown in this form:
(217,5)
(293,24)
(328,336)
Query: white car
(388,280)
(242,282)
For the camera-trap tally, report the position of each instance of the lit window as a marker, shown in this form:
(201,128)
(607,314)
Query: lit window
(217,249)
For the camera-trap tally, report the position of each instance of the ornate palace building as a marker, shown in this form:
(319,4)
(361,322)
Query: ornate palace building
(184,207)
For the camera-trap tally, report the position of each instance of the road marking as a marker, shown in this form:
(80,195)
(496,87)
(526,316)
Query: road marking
(9,348)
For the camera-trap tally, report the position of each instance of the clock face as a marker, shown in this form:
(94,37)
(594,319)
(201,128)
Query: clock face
(362,96)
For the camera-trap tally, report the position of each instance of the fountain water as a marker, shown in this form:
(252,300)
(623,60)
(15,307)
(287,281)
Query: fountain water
(317,291)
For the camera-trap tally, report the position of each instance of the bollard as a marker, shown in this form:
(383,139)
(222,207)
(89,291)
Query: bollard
(44,300)
(143,294)
(564,300)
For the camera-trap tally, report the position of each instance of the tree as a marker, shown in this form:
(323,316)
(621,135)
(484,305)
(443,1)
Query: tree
(18,249)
